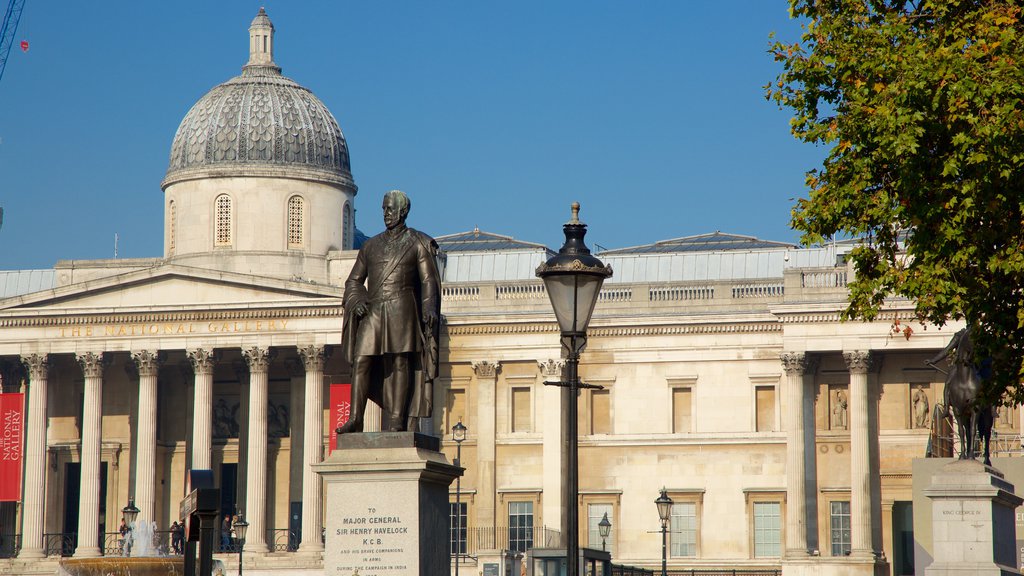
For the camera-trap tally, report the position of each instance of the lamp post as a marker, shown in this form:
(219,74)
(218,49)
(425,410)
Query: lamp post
(604,527)
(130,512)
(459,435)
(664,504)
(573,280)
(240,527)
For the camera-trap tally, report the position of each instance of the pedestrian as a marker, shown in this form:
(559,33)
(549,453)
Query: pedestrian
(123,531)
(225,534)
(178,537)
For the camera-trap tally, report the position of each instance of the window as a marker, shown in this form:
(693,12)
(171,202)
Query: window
(601,411)
(683,529)
(458,530)
(172,225)
(767,530)
(682,410)
(765,400)
(521,421)
(595,512)
(839,527)
(222,235)
(296,209)
(346,227)
(456,409)
(520,526)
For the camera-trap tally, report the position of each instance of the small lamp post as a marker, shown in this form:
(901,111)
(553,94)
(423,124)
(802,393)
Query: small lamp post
(459,435)
(573,280)
(664,504)
(130,513)
(240,527)
(604,527)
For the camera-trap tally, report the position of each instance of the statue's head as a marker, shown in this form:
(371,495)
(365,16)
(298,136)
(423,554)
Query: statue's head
(396,208)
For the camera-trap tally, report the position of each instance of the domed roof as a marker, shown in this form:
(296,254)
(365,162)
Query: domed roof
(259,124)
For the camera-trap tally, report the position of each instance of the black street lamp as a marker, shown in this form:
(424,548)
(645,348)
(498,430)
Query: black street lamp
(573,280)
(130,513)
(604,527)
(240,527)
(459,435)
(664,504)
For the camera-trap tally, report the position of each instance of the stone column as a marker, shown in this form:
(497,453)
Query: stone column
(861,518)
(312,448)
(485,434)
(145,446)
(202,408)
(258,360)
(797,366)
(92,433)
(34,503)
(554,456)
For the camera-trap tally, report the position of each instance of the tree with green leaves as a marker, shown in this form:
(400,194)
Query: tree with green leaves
(921,107)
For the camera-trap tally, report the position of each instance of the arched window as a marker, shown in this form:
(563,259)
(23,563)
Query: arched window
(222,234)
(346,227)
(295,219)
(172,226)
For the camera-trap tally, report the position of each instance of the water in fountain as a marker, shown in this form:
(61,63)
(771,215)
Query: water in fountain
(140,541)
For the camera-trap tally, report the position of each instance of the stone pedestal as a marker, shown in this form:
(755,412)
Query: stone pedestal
(973,526)
(387,505)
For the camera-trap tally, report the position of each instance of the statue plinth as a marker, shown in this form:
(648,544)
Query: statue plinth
(387,505)
(973,523)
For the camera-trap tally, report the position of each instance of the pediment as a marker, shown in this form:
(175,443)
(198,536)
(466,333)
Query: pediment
(169,286)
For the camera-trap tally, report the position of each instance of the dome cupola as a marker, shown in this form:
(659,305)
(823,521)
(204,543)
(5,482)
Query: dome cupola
(259,180)
(259,123)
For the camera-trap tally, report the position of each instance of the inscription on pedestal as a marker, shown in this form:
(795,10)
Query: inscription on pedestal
(372,541)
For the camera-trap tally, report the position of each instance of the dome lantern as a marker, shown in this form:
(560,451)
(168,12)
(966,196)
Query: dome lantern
(261,44)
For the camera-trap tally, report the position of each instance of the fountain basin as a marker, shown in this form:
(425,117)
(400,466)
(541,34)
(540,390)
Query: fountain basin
(125,566)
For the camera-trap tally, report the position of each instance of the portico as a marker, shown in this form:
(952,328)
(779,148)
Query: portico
(151,391)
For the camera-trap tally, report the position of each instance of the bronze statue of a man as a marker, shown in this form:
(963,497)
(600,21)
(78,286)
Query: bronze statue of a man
(392,319)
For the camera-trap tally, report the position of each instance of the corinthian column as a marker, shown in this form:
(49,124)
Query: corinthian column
(484,431)
(312,447)
(258,360)
(202,408)
(33,508)
(801,446)
(92,421)
(145,447)
(861,506)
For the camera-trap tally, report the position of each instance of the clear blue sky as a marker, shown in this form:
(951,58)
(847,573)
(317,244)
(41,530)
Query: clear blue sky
(497,115)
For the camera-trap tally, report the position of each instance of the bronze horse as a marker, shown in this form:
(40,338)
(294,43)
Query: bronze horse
(963,387)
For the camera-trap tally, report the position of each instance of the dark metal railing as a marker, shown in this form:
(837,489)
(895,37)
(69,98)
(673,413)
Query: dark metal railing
(60,543)
(10,545)
(620,570)
(282,540)
(503,537)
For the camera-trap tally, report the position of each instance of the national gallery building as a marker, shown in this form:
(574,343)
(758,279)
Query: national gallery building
(784,437)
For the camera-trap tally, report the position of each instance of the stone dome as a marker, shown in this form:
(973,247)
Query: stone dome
(260,124)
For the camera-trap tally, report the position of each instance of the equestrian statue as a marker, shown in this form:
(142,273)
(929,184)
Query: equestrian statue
(962,395)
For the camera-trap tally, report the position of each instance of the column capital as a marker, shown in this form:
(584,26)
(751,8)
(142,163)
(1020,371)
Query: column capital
(860,361)
(486,368)
(147,363)
(798,363)
(38,365)
(92,364)
(202,360)
(257,358)
(551,368)
(312,357)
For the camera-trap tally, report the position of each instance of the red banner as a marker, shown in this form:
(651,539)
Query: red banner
(12,438)
(341,406)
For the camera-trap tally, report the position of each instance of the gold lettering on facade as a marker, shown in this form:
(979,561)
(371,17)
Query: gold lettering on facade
(171,328)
